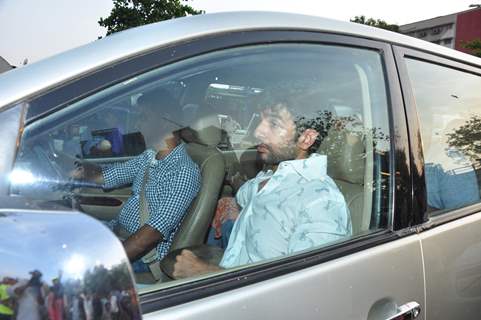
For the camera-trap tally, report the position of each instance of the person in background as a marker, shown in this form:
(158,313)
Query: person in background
(30,297)
(6,301)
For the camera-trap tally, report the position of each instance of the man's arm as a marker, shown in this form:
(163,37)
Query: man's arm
(88,172)
(141,242)
(111,176)
(18,288)
(188,264)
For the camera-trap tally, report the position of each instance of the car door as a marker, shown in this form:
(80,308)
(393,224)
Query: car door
(375,272)
(446,100)
(375,275)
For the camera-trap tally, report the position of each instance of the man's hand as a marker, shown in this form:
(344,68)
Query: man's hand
(236,181)
(188,264)
(88,172)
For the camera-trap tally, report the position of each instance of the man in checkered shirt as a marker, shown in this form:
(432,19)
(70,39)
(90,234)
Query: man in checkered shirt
(173,181)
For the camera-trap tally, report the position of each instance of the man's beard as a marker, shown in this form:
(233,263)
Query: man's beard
(275,157)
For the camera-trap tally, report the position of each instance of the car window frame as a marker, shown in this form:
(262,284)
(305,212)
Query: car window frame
(402,213)
(419,183)
(11,128)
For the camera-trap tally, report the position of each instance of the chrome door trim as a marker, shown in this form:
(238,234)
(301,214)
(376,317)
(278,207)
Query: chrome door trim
(408,311)
(11,121)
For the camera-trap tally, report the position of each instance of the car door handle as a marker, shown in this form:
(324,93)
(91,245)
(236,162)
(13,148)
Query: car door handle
(408,311)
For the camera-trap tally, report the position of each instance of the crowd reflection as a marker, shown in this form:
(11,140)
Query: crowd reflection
(101,294)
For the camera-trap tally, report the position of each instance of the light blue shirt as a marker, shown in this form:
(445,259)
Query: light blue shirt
(300,207)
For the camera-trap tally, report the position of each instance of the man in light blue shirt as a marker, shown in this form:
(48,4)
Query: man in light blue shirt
(291,207)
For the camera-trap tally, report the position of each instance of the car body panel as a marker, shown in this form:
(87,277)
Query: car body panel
(434,265)
(19,83)
(451,238)
(346,288)
(453,269)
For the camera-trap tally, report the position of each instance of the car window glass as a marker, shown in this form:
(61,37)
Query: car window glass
(260,152)
(449,109)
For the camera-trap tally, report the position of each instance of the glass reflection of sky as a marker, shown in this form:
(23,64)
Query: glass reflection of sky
(66,244)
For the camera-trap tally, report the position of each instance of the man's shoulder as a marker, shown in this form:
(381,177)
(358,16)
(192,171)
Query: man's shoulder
(323,189)
(188,167)
(187,172)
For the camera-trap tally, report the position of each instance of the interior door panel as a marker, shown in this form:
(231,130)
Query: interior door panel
(103,205)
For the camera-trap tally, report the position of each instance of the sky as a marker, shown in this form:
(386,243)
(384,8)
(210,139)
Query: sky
(33,29)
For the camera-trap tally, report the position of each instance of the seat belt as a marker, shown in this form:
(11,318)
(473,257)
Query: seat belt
(150,257)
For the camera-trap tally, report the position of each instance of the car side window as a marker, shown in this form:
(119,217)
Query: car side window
(448,102)
(242,156)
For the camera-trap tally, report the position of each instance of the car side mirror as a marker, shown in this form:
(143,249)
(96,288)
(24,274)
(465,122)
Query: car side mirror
(68,262)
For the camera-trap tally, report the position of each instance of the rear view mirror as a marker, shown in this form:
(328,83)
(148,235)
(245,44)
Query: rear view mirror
(61,264)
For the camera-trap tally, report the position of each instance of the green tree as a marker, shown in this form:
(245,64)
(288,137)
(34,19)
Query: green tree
(378,23)
(133,13)
(474,46)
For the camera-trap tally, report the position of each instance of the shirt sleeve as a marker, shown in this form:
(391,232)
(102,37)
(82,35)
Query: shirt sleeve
(324,219)
(169,209)
(123,173)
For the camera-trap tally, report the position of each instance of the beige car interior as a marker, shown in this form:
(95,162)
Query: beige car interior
(346,165)
(204,152)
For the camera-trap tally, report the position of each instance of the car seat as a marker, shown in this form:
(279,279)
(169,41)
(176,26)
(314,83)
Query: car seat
(202,148)
(346,164)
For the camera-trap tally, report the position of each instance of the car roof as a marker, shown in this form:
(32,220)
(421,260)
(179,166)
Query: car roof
(21,82)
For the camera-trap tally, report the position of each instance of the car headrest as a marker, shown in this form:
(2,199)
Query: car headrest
(207,130)
(345,153)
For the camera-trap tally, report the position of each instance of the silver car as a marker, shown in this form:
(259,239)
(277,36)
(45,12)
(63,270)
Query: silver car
(371,208)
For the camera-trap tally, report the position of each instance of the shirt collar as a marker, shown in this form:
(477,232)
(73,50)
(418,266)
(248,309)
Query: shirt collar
(312,168)
(174,156)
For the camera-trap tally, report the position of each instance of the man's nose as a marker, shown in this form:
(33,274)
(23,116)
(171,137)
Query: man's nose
(261,131)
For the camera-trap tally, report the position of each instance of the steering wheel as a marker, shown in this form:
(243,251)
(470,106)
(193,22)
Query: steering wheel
(58,176)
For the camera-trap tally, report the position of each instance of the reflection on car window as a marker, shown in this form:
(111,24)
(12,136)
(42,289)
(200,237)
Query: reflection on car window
(223,160)
(449,106)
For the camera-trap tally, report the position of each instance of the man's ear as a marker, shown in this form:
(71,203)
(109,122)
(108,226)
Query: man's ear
(307,139)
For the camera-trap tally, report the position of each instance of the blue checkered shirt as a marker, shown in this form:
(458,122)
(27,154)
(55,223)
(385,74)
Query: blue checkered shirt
(173,183)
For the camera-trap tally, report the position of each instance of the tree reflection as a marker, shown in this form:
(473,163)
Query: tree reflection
(467,138)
